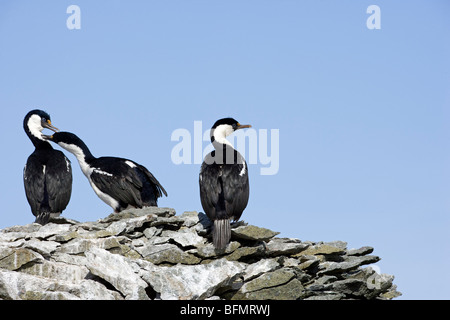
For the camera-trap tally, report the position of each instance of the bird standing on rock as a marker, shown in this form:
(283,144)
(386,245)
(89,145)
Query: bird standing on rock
(223,179)
(119,182)
(47,175)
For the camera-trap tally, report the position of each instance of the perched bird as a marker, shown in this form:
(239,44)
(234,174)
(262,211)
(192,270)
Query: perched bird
(47,175)
(224,187)
(118,182)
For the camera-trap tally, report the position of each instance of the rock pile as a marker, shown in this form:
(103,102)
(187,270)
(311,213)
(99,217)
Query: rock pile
(152,253)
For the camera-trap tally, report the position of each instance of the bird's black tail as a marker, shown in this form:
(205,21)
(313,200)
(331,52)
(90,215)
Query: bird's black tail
(221,233)
(42,218)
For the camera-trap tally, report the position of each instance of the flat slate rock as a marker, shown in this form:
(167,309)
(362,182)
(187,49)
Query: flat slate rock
(253,233)
(152,253)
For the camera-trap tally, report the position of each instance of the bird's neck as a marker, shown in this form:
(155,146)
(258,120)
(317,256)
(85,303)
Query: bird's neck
(219,139)
(224,151)
(39,143)
(82,153)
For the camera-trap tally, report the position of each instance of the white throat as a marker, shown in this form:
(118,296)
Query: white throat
(35,127)
(220,134)
(79,154)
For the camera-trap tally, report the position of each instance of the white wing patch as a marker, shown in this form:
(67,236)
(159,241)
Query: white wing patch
(131,164)
(243,169)
(67,164)
(96,170)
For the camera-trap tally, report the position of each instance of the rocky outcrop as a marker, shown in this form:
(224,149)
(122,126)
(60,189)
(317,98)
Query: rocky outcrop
(153,253)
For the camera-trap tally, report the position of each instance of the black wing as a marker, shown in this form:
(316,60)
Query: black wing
(224,188)
(58,177)
(130,185)
(156,186)
(118,180)
(210,187)
(47,179)
(33,180)
(235,187)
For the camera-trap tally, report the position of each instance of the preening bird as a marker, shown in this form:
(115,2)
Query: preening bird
(47,175)
(119,182)
(223,179)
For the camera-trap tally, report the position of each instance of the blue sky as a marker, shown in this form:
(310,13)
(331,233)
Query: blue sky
(363,115)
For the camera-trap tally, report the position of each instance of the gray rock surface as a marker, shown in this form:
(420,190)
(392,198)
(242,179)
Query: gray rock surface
(152,253)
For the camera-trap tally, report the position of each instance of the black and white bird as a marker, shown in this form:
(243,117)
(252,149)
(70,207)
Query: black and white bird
(119,182)
(47,175)
(224,187)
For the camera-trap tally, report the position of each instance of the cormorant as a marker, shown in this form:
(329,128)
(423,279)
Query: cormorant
(118,182)
(224,187)
(47,175)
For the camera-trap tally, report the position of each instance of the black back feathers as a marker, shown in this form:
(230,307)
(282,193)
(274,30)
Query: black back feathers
(47,175)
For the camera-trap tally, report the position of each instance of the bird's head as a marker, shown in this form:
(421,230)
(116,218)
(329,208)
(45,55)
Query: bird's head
(35,121)
(222,128)
(70,142)
(64,139)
